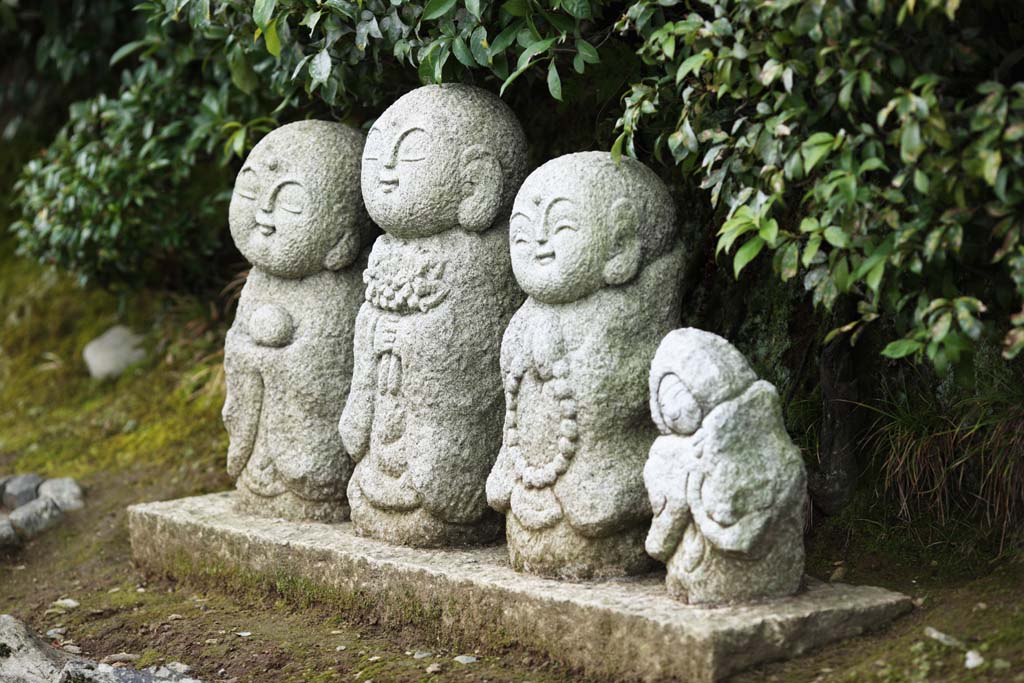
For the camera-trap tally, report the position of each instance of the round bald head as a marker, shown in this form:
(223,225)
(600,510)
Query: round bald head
(692,373)
(582,222)
(296,208)
(442,157)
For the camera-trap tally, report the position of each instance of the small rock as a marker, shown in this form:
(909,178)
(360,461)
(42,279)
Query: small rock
(420,654)
(919,602)
(175,617)
(66,603)
(435,668)
(340,648)
(20,490)
(65,492)
(179,668)
(243,634)
(211,641)
(113,352)
(35,517)
(120,658)
(375,658)
(838,575)
(465,659)
(945,639)
(55,633)
(8,536)
(72,649)
(116,589)
(973,659)
(981,606)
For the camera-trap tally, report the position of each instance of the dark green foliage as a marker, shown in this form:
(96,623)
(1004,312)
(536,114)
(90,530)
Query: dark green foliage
(128,192)
(875,147)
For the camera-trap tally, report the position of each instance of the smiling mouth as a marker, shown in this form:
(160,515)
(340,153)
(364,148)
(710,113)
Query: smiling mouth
(388,184)
(545,258)
(267,230)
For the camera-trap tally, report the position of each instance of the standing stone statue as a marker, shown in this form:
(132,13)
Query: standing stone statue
(595,246)
(296,214)
(423,419)
(727,485)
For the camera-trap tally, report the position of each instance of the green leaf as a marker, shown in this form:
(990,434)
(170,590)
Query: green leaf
(577,8)
(533,49)
(921,183)
(554,82)
(835,236)
(126,50)
(512,77)
(473,7)
(242,74)
(616,151)
(816,148)
(810,224)
(505,38)
(436,8)
(692,64)
(517,8)
(911,145)
(790,260)
(262,11)
(769,231)
(463,53)
(747,253)
(272,40)
(311,19)
(587,51)
(319,69)
(902,348)
(478,46)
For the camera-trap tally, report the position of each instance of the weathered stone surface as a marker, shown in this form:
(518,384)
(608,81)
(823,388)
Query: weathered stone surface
(30,660)
(423,418)
(727,485)
(65,492)
(626,628)
(297,215)
(8,536)
(92,672)
(595,246)
(110,354)
(35,517)
(3,483)
(21,489)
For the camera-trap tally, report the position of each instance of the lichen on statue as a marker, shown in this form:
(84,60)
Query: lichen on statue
(297,215)
(727,485)
(594,244)
(423,419)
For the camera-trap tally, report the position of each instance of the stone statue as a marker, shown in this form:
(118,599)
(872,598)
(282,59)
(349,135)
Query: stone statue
(595,246)
(423,419)
(726,483)
(297,216)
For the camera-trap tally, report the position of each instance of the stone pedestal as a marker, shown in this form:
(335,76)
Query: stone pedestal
(625,628)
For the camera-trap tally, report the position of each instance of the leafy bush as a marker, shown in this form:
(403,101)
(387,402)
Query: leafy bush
(127,192)
(875,147)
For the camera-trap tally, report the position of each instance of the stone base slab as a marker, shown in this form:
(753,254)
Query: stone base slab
(620,629)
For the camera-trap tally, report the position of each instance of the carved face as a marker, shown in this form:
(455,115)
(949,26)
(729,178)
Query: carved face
(275,219)
(678,409)
(410,175)
(558,250)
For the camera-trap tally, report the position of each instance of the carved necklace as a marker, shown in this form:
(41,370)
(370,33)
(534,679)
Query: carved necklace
(413,284)
(542,476)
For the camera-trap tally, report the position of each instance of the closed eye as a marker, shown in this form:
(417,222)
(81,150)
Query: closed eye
(565,226)
(245,184)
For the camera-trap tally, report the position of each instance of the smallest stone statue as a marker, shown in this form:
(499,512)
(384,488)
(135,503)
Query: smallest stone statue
(726,483)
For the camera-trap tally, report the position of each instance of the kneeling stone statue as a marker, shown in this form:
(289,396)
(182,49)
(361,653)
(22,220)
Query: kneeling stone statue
(727,485)
(296,214)
(595,246)
(423,419)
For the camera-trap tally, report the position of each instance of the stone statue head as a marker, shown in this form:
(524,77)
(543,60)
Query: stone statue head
(442,157)
(692,373)
(582,222)
(296,207)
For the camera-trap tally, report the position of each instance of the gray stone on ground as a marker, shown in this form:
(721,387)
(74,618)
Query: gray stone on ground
(28,658)
(65,492)
(3,483)
(113,352)
(21,489)
(92,672)
(625,629)
(8,536)
(35,517)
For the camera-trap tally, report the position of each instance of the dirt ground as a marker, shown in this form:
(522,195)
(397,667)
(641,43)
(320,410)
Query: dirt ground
(155,434)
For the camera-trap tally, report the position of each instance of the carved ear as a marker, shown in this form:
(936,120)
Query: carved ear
(623,260)
(482,185)
(344,252)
